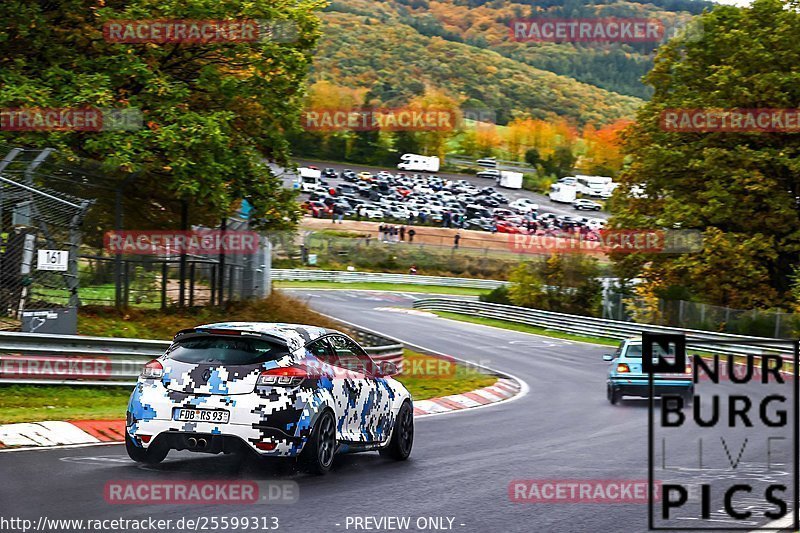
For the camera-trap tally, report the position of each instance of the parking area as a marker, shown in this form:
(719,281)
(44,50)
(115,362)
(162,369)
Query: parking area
(441,199)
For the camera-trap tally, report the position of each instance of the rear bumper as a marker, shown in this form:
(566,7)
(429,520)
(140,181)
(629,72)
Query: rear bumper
(217,438)
(641,387)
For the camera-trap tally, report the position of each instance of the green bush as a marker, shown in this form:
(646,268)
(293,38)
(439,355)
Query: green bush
(497,296)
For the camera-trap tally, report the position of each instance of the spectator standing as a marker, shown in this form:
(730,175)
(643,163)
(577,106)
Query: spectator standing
(412,270)
(402,233)
(456,239)
(411,233)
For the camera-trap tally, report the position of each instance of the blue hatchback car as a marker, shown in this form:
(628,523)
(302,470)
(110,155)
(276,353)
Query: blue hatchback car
(626,377)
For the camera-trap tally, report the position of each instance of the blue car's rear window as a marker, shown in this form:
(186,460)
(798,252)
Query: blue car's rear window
(634,351)
(227,350)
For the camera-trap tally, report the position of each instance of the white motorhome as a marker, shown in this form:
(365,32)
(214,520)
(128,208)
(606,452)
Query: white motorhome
(308,179)
(418,163)
(510,180)
(593,185)
(561,192)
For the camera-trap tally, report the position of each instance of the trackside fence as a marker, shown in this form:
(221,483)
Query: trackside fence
(32,358)
(604,328)
(343,276)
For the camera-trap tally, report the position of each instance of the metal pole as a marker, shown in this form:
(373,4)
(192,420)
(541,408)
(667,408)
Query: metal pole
(127,296)
(213,299)
(191,284)
(44,154)
(164,285)
(118,227)
(182,275)
(221,270)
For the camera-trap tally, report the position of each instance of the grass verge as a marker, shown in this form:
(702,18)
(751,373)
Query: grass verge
(394,287)
(426,377)
(524,328)
(162,325)
(34,403)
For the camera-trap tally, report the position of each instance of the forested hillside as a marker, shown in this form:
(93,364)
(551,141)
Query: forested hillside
(396,48)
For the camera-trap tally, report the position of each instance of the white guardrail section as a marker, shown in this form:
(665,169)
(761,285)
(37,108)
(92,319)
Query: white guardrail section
(343,276)
(611,329)
(33,358)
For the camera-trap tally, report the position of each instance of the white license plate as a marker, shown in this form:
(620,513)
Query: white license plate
(202,415)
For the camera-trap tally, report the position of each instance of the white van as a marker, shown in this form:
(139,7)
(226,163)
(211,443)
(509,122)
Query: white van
(510,180)
(561,192)
(419,163)
(308,179)
(593,185)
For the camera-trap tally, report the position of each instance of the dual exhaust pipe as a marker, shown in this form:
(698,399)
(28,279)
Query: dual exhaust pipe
(197,443)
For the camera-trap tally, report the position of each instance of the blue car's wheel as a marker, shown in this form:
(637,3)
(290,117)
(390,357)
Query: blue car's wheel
(614,396)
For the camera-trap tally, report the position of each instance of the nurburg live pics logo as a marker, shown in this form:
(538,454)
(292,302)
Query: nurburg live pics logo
(737,441)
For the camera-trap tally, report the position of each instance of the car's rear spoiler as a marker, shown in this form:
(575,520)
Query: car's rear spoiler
(203,332)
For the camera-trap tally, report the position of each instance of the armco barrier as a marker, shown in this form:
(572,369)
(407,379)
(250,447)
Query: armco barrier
(600,327)
(32,358)
(343,276)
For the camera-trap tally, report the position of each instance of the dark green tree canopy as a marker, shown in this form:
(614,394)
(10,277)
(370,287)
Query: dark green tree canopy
(742,189)
(213,113)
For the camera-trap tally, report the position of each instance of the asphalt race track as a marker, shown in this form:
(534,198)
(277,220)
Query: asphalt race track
(462,463)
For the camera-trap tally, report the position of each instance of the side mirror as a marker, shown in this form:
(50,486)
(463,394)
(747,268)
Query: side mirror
(386,368)
(608,357)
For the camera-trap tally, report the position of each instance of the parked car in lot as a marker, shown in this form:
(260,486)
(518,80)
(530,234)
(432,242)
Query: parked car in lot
(485,224)
(346,188)
(524,205)
(626,376)
(273,390)
(329,173)
(583,204)
(366,176)
(596,224)
(491,174)
(371,212)
(317,209)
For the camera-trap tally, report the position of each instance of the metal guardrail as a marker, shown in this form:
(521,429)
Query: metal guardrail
(610,329)
(343,276)
(33,358)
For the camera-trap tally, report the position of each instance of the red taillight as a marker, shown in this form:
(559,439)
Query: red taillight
(622,368)
(152,370)
(145,438)
(266,446)
(284,376)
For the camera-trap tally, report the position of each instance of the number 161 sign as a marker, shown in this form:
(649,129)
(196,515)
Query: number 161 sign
(52,260)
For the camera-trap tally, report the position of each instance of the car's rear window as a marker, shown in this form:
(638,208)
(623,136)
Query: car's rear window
(227,350)
(635,351)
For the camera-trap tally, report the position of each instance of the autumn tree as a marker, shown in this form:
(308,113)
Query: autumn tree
(213,112)
(740,188)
